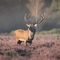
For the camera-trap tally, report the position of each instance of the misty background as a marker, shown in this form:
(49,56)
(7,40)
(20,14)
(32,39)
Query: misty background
(12,14)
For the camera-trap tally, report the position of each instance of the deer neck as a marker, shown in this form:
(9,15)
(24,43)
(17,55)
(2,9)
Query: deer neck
(31,34)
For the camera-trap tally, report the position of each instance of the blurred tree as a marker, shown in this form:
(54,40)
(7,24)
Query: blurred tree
(55,7)
(35,7)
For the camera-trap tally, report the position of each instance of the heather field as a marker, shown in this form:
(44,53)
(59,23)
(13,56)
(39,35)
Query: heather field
(44,47)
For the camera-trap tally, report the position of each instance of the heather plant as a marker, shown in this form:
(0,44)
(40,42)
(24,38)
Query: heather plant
(41,47)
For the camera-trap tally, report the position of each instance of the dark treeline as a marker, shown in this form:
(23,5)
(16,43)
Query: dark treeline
(12,14)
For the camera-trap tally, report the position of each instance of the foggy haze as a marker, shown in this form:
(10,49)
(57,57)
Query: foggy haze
(12,15)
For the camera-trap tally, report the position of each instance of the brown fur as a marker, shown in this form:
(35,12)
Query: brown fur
(21,35)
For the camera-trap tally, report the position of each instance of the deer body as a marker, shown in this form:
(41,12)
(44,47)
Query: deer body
(21,35)
(26,35)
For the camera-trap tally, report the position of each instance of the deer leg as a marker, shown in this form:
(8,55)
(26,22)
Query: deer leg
(19,42)
(25,43)
(30,42)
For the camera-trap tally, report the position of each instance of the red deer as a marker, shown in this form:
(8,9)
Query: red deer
(27,35)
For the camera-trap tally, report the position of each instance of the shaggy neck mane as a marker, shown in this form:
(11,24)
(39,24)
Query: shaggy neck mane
(31,34)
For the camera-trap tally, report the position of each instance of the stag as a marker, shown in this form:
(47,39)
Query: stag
(27,35)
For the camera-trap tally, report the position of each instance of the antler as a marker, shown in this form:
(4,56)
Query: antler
(27,17)
(42,18)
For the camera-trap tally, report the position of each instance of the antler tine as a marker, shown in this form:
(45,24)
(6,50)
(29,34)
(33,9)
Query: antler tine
(42,18)
(27,17)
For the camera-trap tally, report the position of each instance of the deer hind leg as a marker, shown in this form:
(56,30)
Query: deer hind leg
(19,42)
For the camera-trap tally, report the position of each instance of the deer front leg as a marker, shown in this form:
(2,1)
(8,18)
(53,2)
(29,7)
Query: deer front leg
(29,41)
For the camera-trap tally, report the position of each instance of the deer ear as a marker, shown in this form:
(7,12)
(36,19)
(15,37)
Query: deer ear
(35,25)
(28,25)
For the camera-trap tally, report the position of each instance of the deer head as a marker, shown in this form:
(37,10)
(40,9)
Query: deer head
(33,25)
